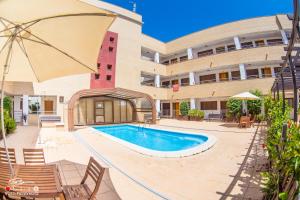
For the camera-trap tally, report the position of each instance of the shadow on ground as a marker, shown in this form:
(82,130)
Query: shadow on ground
(246,184)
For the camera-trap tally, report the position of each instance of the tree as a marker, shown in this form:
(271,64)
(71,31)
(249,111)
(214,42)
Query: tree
(184,108)
(254,106)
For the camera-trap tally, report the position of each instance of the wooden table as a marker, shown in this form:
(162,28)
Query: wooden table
(41,181)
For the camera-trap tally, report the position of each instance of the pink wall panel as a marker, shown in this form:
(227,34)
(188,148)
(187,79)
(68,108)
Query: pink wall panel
(106,63)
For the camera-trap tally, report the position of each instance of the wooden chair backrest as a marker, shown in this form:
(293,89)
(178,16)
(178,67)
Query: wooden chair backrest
(96,172)
(34,156)
(11,153)
(245,119)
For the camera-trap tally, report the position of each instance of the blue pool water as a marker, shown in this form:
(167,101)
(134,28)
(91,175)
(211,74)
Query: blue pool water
(158,140)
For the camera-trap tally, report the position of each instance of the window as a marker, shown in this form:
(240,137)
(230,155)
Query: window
(272,42)
(166,109)
(252,73)
(207,78)
(185,81)
(220,49)
(61,99)
(183,58)
(174,60)
(108,77)
(223,105)
(236,75)
(277,70)
(205,53)
(231,47)
(174,82)
(166,62)
(223,76)
(111,39)
(209,105)
(266,72)
(98,65)
(110,49)
(260,43)
(97,76)
(247,45)
(109,67)
(165,84)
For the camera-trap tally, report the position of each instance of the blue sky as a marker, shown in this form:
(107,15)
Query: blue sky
(169,19)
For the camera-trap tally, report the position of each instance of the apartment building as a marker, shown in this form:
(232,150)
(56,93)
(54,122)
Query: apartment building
(204,68)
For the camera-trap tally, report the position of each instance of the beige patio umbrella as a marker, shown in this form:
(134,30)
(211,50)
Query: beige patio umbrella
(45,39)
(245,96)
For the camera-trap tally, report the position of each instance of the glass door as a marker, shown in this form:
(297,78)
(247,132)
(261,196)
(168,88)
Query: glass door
(99,112)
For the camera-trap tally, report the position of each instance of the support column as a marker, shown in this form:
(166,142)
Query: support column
(284,37)
(157,80)
(192,78)
(273,72)
(242,72)
(25,109)
(158,109)
(190,53)
(171,109)
(219,106)
(229,75)
(156,57)
(193,103)
(217,77)
(237,43)
(260,75)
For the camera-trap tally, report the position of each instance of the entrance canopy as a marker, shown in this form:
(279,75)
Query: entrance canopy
(141,105)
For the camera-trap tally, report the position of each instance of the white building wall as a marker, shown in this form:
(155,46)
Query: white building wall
(65,86)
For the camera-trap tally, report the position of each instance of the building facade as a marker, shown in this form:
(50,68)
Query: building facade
(204,68)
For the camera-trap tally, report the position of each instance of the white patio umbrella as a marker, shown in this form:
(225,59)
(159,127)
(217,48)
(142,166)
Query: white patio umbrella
(245,96)
(45,39)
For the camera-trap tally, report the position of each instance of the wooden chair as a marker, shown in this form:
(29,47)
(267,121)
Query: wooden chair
(34,157)
(244,122)
(11,153)
(82,191)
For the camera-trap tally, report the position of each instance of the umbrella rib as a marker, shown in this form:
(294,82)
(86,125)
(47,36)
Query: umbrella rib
(26,54)
(6,43)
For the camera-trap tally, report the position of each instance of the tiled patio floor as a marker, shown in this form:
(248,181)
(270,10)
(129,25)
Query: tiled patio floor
(72,173)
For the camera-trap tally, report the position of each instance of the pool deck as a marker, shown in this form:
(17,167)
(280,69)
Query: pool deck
(207,175)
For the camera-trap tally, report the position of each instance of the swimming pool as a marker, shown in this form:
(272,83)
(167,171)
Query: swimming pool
(157,142)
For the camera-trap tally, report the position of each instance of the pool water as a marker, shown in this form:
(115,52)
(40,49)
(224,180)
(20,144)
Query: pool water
(153,139)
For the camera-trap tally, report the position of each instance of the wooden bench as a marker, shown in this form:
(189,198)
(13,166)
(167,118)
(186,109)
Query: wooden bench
(213,116)
(49,118)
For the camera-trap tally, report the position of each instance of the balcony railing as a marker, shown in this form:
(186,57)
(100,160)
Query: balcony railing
(252,76)
(230,48)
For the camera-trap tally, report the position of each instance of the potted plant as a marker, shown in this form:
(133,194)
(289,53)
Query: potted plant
(184,109)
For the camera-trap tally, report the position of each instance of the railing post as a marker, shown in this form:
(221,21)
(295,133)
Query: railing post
(283,94)
(277,90)
(293,73)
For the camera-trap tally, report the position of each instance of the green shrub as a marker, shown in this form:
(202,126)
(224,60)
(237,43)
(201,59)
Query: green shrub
(9,123)
(196,113)
(184,108)
(7,104)
(234,107)
(192,113)
(254,106)
(200,114)
(284,155)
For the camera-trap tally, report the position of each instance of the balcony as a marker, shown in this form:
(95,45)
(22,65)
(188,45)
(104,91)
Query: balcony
(221,89)
(230,48)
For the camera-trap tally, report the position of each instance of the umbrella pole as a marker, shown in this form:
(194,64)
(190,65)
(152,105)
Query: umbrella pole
(2,100)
